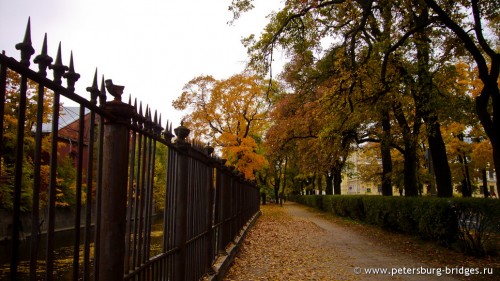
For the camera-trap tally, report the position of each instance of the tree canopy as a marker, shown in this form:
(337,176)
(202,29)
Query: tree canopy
(231,114)
(386,71)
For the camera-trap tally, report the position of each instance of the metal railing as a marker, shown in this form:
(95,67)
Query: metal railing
(140,206)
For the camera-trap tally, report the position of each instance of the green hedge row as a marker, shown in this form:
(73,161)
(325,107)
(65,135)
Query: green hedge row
(473,223)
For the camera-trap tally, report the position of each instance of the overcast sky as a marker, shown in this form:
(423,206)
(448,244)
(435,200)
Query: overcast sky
(152,47)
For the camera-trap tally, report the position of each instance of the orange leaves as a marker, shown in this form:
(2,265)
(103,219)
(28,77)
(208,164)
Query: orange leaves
(282,247)
(229,113)
(242,155)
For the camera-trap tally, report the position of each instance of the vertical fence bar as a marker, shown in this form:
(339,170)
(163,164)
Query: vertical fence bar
(94,93)
(210,211)
(102,101)
(43,61)
(131,194)
(16,221)
(137,206)
(37,158)
(142,193)
(79,168)
(58,70)
(148,180)
(88,202)
(26,52)
(114,193)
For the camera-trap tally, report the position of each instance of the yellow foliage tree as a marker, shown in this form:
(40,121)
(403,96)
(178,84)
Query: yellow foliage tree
(230,113)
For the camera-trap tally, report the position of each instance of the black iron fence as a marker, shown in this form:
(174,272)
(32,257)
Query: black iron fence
(139,206)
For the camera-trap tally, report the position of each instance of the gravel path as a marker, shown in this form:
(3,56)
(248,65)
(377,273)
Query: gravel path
(292,243)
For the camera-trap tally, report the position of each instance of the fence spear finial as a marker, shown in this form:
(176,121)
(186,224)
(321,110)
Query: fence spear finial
(71,76)
(26,47)
(167,134)
(43,60)
(102,95)
(58,67)
(94,90)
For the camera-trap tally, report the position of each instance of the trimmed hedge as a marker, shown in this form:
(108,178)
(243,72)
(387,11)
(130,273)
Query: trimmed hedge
(473,223)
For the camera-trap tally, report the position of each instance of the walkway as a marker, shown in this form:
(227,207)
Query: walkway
(293,243)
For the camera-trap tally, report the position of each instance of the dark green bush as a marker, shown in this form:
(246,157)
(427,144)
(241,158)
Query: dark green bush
(478,222)
(348,206)
(390,213)
(472,223)
(436,220)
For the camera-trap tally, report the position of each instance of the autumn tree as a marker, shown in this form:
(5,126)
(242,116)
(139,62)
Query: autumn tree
(360,26)
(9,139)
(230,114)
(317,119)
(482,46)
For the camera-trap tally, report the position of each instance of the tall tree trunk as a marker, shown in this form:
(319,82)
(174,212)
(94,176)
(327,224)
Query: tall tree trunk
(337,180)
(277,182)
(385,151)
(466,182)
(410,166)
(496,158)
(486,193)
(439,158)
(424,104)
(491,124)
(329,183)
(320,184)
(282,194)
(410,150)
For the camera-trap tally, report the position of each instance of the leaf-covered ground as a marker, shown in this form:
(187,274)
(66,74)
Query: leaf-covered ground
(295,243)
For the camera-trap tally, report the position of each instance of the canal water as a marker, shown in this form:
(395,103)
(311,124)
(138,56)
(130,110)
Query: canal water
(63,253)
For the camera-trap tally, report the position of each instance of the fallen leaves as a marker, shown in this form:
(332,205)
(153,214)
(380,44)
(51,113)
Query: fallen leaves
(282,248)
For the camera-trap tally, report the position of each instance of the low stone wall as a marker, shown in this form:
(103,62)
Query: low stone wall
(223,263)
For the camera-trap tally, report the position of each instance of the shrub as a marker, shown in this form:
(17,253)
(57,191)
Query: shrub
(473,223)
(478,222)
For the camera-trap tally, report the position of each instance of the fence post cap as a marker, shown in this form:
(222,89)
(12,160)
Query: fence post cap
(182,133)
(209,149)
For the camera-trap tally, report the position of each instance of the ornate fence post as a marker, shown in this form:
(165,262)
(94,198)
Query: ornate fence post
(114,186)
(181,201)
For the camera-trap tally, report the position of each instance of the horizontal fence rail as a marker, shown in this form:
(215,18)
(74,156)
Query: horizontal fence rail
(100,191)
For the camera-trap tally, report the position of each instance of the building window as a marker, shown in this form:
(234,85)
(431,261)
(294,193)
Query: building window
(368,190)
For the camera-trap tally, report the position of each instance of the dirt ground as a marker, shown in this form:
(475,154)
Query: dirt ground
(294,242)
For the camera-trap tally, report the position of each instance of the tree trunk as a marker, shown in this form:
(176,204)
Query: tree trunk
(439,158)
(329,183)
(410,166)
(425,106)
(337,181)
(486,193)
(496,160)
(385,151)
(466,182)
(410,150)
(277,183)
(320,184)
